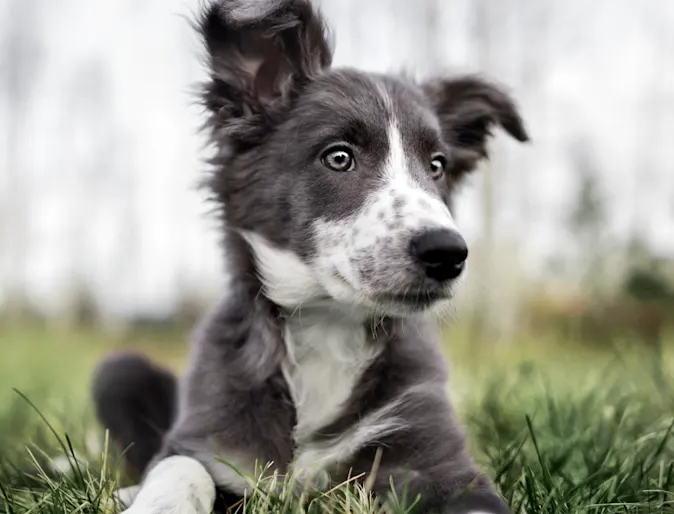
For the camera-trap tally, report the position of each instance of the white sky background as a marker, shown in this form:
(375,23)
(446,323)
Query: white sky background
(109,152)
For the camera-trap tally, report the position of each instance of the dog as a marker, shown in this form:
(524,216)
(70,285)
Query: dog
(334,189)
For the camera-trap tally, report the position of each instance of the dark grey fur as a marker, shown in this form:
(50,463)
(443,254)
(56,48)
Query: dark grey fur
(269,122)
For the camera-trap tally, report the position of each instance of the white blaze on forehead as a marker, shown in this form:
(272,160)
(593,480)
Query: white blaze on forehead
(406,196)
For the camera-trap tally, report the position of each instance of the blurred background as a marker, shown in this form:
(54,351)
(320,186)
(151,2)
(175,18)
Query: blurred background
(105,241)
(101,152)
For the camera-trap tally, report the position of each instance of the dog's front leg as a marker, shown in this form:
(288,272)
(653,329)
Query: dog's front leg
(176,485)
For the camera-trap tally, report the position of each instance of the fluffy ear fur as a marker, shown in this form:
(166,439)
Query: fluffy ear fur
(259,54)
(468,107)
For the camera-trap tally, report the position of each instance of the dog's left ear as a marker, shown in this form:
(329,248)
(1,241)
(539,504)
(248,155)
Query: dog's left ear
(468,108)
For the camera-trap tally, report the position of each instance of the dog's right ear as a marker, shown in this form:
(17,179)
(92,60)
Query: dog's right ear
(260,52)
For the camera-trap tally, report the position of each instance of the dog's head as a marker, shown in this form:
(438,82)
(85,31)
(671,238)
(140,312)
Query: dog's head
(339,180)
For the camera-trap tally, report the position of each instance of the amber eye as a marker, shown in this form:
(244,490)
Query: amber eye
(438,165)
(339,159)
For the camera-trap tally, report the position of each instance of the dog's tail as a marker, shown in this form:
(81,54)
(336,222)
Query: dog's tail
(136,401)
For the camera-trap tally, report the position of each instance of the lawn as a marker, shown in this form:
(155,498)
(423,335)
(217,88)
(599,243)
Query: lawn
(561,426)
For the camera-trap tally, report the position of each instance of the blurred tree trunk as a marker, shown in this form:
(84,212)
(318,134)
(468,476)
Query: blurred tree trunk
(652,129)
(22,56)
(482,319)
(89,117)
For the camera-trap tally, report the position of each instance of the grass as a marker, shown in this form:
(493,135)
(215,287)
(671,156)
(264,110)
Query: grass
(561,427)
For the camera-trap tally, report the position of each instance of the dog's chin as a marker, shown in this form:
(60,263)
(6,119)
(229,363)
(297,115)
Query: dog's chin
(369,302)
(403,305)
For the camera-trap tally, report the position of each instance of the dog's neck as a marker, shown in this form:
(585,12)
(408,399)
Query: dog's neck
(326,355)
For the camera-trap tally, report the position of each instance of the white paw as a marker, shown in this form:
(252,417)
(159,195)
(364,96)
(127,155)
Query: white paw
(176,485)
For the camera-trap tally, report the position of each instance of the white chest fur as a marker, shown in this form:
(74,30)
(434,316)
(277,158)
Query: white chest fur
(326,358)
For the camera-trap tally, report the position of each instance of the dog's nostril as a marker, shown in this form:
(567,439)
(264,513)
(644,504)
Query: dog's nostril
(441,252)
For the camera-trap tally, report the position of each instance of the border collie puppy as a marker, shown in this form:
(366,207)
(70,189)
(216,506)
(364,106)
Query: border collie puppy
(323,355)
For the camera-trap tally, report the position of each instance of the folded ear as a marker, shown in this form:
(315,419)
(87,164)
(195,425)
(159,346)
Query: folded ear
(468,108)
(259,52)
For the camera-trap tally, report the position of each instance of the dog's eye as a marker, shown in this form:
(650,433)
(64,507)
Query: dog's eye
(339,159)
(438,165)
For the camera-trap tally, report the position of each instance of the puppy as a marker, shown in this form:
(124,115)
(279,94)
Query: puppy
(323,355)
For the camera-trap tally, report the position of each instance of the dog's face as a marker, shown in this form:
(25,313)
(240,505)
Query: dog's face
(339,180)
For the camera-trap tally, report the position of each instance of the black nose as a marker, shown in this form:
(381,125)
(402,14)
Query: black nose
(441,252)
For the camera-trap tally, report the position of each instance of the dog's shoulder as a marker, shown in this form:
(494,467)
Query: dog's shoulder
(239,339)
